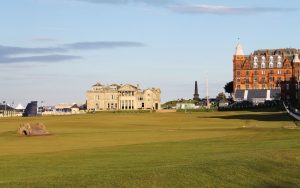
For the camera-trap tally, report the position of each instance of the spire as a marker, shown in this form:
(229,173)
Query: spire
(239,49)
(296,58)
(196,94)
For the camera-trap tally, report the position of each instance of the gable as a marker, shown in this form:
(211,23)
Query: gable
(127,87)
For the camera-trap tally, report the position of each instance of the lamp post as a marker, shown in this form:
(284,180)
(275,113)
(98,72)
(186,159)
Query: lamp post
(4,102)
(42,108)
(12,113)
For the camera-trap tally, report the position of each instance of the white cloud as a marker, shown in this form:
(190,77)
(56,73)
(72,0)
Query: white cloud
(224,10)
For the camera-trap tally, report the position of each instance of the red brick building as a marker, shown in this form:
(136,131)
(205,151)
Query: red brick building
(266,73)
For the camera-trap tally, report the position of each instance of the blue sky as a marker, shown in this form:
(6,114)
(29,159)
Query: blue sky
(54,50)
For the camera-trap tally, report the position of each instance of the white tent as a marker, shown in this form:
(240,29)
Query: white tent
(20,107)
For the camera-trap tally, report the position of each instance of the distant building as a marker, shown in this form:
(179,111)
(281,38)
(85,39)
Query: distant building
(31,109)
(268,74)
(122,97)
(186,106)
(67,108)
(6,110)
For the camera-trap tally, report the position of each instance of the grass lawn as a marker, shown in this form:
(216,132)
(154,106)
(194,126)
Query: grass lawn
(208,149)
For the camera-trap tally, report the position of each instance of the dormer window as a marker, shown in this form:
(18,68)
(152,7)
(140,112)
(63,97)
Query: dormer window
(279,59)
(255,65)
(263,62)
(271,65)
(255,59)
(255,62)
(279,65)
(271,59)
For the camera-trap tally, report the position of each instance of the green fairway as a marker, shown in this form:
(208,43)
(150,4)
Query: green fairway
(208,149)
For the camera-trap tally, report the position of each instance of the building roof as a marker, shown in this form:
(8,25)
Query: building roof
(239,49)
(65,106)
(296,58)
(281,51)
(3,107)
(97,84)
(20,107)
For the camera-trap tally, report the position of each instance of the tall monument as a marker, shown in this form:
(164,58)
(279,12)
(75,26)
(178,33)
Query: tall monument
(196,94)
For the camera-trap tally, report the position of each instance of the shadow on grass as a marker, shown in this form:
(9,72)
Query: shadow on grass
(258,117)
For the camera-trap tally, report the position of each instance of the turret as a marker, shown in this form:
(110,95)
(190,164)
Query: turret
(239,50)
(296,59)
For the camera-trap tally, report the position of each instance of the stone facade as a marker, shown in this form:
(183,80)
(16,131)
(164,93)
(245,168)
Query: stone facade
(122,97)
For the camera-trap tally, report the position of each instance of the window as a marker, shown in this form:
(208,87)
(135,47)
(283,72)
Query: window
(271,59)
(279,65)
(279,71)
(238,73)
(255,59)
(279,59)
(287,72)
(238,80)
(247,86)
(271,65)
(263,80)
(263,62)
(255,79)
(255,73)
(263,72)
(255,65)
(271,72)
(247,73)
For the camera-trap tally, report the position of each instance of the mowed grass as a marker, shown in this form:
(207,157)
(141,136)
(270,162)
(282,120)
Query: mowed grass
(213,149)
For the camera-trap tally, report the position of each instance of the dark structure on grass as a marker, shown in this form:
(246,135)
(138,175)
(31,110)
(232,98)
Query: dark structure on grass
(31,109)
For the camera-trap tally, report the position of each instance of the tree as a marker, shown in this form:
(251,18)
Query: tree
(221,97)
(229,88)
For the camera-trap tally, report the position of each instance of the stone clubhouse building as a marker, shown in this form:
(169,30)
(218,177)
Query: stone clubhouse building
(122,97)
